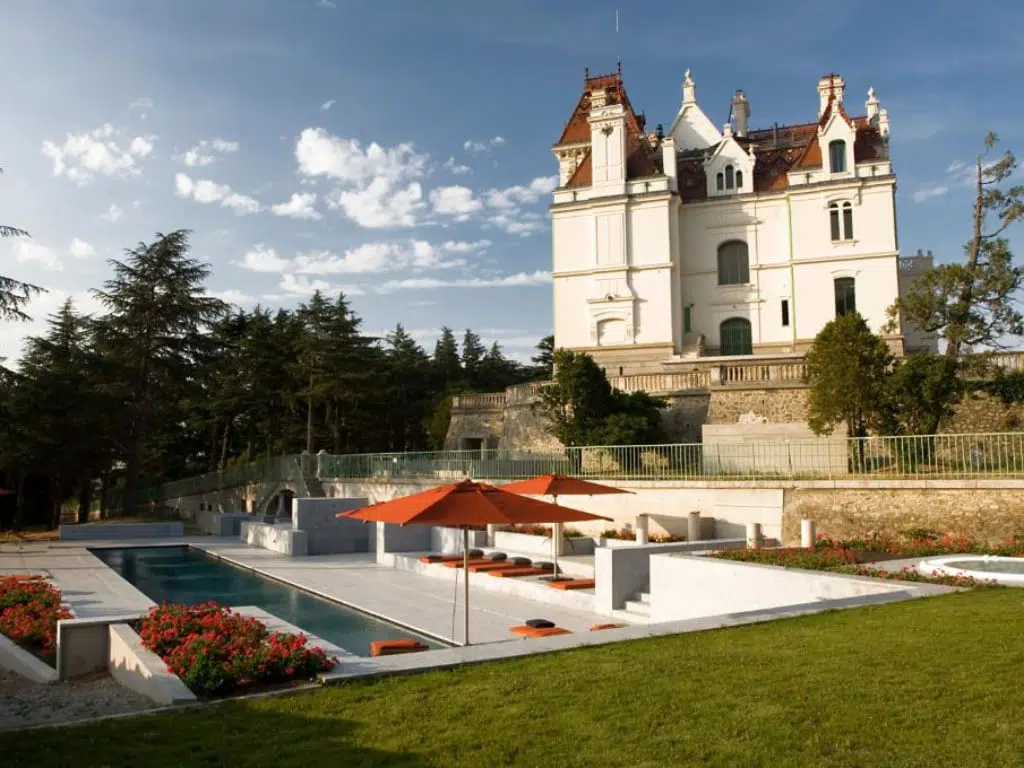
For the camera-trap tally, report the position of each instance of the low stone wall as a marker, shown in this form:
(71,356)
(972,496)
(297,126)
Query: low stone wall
(115,531)
(694,587)
(141,670)
(277,537)
(327,534)
(979,509)
(16,659)
(221,523)
(83,645)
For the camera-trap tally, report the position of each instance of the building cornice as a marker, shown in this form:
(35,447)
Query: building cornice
(616,268)
(640,197)
(853,184)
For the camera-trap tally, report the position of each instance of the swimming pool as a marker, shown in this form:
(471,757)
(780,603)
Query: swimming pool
(189,576)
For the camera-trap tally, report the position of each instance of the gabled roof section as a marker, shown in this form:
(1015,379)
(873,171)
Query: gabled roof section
(583,175)
(577,130)
(837,107)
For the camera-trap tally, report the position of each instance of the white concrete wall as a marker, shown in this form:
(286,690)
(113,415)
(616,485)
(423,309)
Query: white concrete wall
(141,670)
(688,587)
(83,644)
(114,531)
(16,659)
(279,538)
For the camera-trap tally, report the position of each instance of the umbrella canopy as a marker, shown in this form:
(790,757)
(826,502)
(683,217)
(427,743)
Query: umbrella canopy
(468,503)
(559,485)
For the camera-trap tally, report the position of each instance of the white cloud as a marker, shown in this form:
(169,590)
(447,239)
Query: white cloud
(519,223)
(326,4)
(376,186)
(457,168)
(80,249)
(205,152)
(511,197)
(260,258)
(429,283)
(928,193)
(293,285)
(113,212)
(476,147)
(31,252)
(141,107)
(206,192)
(379,205)
(327,105)
(369,258)
(456,201)
(101,152)
(300,206)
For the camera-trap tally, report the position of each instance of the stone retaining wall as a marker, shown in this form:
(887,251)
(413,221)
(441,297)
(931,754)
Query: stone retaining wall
(990,514)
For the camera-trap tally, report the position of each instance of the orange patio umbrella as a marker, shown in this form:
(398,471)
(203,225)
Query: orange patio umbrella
(467,504)
(556,485)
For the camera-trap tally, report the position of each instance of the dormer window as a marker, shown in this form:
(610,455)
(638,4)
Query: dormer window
(730,177)
(841,221)
(837,156)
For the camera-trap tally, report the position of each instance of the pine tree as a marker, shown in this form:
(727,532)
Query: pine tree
(446,360)
(472,354)
(14,294)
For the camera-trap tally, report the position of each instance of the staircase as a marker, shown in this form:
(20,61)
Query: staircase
(637,609)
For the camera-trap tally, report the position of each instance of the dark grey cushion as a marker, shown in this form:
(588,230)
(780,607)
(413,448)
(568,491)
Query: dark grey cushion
(545,565)
(539,623)
(497,557)
(519,560)
(476,553)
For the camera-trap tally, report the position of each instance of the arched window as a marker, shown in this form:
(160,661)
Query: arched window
(739,179)
(846,295)
(734,337)
(720,181)
(837,155)
(729,180)
(841,220)
(733,263)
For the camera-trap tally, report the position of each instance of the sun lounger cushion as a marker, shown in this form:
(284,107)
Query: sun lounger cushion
(487,567)
(545,565)
(476,553)
(535,632)
(597,627)
(520,560)
(508,573)
(391,647)
(497,556)
(572,584)
(472,561)
(439,558)
(539,623)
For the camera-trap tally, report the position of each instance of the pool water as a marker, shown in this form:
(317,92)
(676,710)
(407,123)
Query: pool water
(189,576)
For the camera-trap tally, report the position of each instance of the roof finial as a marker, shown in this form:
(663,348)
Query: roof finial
(618,67)
(586,74)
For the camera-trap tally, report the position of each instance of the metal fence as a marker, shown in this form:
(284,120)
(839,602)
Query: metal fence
(996,455)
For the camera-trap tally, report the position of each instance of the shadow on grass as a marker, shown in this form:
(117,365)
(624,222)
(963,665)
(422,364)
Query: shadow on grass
(279,731)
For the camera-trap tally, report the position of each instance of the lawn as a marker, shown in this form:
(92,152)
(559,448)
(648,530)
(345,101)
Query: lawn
(926,682)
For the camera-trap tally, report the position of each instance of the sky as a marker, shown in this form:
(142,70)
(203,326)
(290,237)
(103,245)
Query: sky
(400,151)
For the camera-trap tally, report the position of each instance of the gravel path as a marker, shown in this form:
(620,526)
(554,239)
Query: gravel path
(24,703)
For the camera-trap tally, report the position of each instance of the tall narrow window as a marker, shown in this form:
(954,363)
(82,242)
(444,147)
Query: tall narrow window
(847,221)
(686,319)
(837,155)
(739,179)
(729,177)
(734,337)
(733,263)
(834,223)
(785,313)
(720,181)
(846,295)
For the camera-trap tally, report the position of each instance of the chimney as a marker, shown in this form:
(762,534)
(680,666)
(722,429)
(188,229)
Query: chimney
(669,161)
(829,86)
(740,113)
(871,107)
(883,123)
(598,98)
(689,90)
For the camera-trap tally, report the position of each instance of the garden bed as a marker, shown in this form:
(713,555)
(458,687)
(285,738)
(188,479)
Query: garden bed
(851,556)
(217,652)
(30,608)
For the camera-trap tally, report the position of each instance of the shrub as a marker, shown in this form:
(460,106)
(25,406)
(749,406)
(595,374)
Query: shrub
(215,651)
(29,611)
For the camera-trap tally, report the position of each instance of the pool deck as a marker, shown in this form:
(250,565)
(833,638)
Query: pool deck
(421,603)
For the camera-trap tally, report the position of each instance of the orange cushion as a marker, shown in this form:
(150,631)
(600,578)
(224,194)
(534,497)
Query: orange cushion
(489,566)
(439,558)
(513,572)
(596,627)
(574,584)
(526,631)
(391,647)
(472,561)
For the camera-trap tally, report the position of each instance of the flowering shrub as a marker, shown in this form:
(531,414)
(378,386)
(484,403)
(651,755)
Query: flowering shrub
(909,574)
(793,557)
(627,534)
(29,611)
(215,651)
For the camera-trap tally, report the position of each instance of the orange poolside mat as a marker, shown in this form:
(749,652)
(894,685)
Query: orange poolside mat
(597,627)
(526,631)
(472,561)
(428,559)
(391,647)
(490,566)
(509,573)
(574,584)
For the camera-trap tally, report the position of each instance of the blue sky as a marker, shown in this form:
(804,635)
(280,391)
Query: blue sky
(400,150)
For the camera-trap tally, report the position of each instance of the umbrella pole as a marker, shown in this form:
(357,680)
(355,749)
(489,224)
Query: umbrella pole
(465,576)
(554,543)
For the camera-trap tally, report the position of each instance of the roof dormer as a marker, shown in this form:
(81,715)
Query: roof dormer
(692,129)
(836,131)
(730,169)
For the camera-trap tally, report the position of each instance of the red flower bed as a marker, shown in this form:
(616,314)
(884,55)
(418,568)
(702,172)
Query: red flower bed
(215,651)
(793,557)
(627,534)
(29,611)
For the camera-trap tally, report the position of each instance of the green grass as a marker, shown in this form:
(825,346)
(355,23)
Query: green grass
(925,682)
